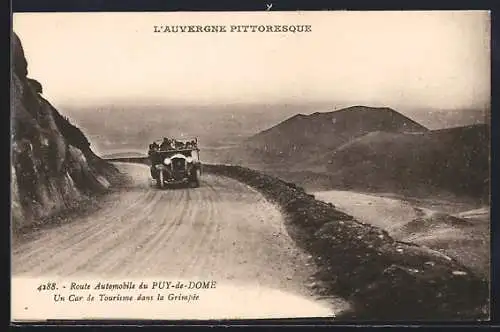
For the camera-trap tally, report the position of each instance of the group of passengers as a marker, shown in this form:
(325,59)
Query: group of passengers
(171,144)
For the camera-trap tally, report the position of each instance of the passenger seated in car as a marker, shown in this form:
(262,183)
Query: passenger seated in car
(152,148)
(177,144)
(165,144)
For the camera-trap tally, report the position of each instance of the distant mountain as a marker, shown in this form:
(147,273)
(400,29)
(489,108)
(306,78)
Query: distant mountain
(371,149)
(302,137)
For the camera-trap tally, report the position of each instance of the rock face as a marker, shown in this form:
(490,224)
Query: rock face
(53,166)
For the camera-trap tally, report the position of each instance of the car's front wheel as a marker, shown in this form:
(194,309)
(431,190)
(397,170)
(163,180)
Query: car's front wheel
(160,181)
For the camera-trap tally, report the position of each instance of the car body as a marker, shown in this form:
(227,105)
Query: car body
(177,165)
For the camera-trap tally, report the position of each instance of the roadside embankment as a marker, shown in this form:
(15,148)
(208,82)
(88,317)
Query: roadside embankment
(383,278)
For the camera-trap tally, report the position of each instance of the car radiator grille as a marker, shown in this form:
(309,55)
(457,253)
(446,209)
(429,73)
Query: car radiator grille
(179,164)
(178,168)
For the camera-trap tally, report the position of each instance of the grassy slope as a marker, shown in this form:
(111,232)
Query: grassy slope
(454,160)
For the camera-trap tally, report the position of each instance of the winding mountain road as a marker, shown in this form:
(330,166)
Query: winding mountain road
(224,230)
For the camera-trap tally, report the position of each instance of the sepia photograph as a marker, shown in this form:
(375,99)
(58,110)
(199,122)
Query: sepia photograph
(250,165)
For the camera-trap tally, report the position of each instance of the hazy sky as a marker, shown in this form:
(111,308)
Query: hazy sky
(411,59)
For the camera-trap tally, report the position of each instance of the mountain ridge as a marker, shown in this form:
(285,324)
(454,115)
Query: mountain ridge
(299,136)
(371,148)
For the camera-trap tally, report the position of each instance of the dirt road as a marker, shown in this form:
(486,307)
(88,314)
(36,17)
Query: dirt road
(224,231)
(447,227)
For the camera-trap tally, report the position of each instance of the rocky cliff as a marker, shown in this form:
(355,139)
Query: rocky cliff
(53,168)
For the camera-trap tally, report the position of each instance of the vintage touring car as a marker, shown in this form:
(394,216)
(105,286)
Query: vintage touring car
(175,162)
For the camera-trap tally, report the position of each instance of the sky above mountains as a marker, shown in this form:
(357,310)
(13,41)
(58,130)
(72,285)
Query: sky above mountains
(415,60)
